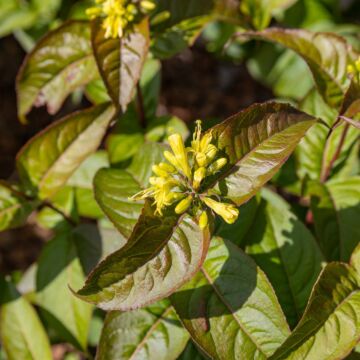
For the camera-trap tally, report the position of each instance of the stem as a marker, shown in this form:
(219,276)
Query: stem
(141,107)
(54,208)
(326,171)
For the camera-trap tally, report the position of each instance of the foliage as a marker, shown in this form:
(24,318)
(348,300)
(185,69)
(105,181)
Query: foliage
(242,242)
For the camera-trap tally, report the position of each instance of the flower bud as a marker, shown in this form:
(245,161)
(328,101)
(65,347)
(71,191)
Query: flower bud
(159,171)
(183,205)
(199,176)
(227,211)
(201,159)
(167,167)
(205,141)
(159,18)
(171,159)
(177,145)
(217,166)
(203,220)
(210,153)
(147,5)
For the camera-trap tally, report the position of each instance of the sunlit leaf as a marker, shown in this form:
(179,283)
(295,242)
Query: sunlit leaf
(326,54)
(161,254)
(230,308)
(152,333)
(286,251)
(22,334)
(59,268)
(120,61)
(14,208)
(60,63)
(330,327)
(47,161)
(257,141)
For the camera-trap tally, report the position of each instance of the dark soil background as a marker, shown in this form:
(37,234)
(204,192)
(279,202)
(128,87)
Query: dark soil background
(195,85)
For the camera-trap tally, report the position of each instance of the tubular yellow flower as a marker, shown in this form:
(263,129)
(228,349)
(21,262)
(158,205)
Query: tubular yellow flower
(210,153)
(201,159)
(227,211)
(177,145)
(119,15)
(157,170)
(167,167)
(199,176)
(203,220)
(217,166)
(183,205)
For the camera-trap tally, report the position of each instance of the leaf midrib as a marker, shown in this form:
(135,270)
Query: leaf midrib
(150,331)
(314,331)
(231,310)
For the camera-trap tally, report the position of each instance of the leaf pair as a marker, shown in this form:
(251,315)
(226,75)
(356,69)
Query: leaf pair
(164,252)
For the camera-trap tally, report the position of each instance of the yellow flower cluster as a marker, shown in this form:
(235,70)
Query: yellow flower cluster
(354,68)
(119,15)
(179,180)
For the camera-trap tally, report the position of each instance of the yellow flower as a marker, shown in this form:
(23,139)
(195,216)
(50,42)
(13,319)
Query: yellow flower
(119,15)
(203,220)
(227,211)
(177,146)
(179,181)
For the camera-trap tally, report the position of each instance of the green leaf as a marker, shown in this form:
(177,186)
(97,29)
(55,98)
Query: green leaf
(230,308)
(120,61)
(286,251)
(355,259)
(162,253)
(47,161)
(321,51)
(60,63)
(191,353)
(82,182)
(316,151)
(261,11)
(96,92)
(113,189)
(152,333)
(336,210)
(22,334)
(14,209)
(330,327)
(256,141)
(59,268)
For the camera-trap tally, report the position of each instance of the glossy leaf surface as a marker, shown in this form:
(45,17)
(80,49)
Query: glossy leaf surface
(47,161)
(330,327)
(59,268)
(152,333)
(60,63)
(326,54)
(161,254)
(230,308)
(286,251)
(22,334)
(120,61)
(257,141)
(14,209)
(336,210)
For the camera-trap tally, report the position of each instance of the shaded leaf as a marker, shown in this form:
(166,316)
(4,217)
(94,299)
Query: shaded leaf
(59,268)
(286,251)
(161,254)
(336,210)
(120,61)
(14,209)
(326,54)
(47,161)
(257,141)
(191,353)
(230,308)
(330,327)
(19,323)
(113,189)
(150,333)
(60,63)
